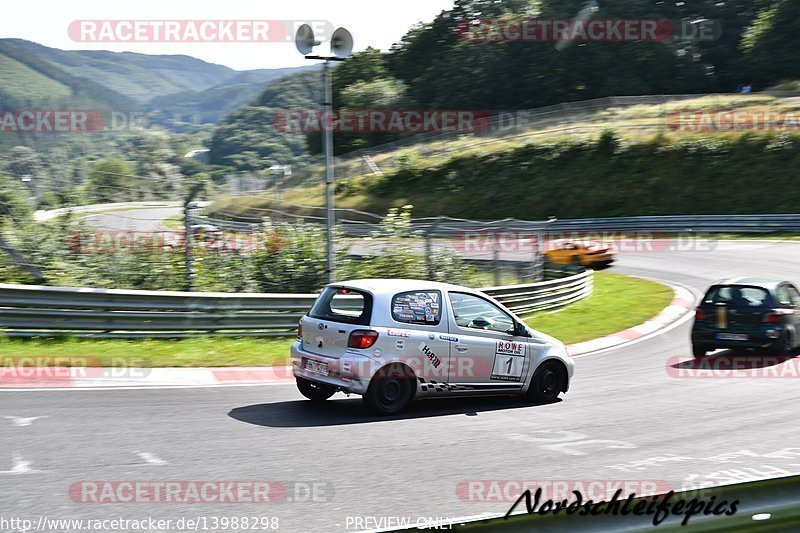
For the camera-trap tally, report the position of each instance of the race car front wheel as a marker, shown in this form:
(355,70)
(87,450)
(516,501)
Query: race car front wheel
(547,382)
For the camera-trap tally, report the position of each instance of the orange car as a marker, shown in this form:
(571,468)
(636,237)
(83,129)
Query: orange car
(576,253)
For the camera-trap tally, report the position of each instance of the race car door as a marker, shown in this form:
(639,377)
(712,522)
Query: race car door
(422,342)
(484,352)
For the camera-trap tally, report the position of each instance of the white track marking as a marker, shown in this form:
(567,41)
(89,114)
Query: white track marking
(19,421)
(141,387)
(150,458)
(685,318)
(20,466)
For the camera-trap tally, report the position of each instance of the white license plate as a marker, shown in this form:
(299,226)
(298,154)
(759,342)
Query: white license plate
(732,336)
(316,367)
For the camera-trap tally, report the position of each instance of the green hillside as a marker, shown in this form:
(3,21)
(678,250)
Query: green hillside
(177,92)
(179,110)
(31,81)
(138,76)
(21,83)
(248,136)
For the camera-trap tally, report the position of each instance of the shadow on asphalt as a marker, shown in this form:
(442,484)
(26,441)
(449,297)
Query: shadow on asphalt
(733,360)
(304,413)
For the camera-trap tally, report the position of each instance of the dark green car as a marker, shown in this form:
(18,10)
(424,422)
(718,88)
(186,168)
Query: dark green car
(747,314)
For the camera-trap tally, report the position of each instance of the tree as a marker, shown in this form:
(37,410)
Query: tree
(364,66)
(111,180)
(379,93)
(14,203)
(771,43)
(21,161)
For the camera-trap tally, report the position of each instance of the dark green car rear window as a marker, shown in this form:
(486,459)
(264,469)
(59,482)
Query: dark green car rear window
(738,296)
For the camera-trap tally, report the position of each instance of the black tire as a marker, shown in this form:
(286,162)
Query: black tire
(576,260)
(390,391)
(547,383)
(784,347)
(699,351)
(316,392)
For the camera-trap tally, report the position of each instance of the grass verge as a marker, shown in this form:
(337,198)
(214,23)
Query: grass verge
(618,302)
(194,352)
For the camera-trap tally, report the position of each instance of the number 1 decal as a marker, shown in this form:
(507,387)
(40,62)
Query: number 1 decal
(508,366)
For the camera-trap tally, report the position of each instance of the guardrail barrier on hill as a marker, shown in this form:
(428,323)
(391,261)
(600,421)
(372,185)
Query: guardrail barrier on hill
(40,311)
(448,227)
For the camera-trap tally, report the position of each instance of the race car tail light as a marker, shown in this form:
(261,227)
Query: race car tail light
(699,314)
(362,338)
(775,316)
(300,329)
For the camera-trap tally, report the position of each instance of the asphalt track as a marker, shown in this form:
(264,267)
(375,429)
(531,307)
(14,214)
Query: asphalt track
(626,417)
(138,220)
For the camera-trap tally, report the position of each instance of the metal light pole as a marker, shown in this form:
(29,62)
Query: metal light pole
(330,209)
(341,48)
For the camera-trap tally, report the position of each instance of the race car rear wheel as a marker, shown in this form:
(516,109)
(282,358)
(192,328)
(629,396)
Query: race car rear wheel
(316,392)
(547,383)
(783,347)
(390,391)
(699,351)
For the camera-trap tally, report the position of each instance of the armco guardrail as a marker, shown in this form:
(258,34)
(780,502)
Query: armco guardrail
(544,294)
(38,311)
(447,227)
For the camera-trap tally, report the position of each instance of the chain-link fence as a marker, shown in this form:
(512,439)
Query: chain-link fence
(646,113)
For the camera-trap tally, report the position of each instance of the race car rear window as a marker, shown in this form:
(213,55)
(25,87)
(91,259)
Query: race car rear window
(340,304)
(417,307)
(738,296)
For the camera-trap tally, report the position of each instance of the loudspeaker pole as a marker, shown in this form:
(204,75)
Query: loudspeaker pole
(341,48)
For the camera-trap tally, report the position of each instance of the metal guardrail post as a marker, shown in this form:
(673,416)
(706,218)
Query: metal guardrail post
(188,236)
(496,258)
(429,249)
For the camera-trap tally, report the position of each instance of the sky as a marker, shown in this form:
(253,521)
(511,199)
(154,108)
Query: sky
(377,23)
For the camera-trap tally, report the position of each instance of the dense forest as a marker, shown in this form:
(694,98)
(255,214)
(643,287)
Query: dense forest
(755,43)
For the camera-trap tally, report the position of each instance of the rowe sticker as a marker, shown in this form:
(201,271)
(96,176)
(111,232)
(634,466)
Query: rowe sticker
(509,359)
(510,348)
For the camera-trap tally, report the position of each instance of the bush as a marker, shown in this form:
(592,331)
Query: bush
(713,174)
